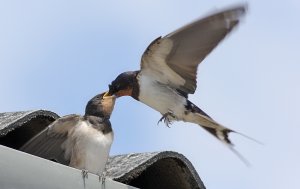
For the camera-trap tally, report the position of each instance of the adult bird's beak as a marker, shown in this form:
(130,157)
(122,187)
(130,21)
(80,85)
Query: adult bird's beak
(111,90)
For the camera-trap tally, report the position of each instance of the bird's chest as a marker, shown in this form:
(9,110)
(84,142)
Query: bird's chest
(160,97)
(96,152)
(91,148)
(95,145)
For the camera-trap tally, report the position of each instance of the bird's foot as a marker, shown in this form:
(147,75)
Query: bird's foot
(102,178)
(166,118)
(84,173)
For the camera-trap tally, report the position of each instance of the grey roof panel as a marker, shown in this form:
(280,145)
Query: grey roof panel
(154,170)
(16,128)
(11,120)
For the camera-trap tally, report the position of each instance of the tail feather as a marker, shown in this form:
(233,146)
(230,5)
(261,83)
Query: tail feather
(199,117)
(240,156)
(220,133)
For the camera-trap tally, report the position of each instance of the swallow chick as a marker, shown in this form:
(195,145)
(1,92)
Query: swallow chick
(82,142)
(169,69)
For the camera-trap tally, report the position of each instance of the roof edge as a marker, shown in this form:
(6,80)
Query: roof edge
(28,116)
(154,158)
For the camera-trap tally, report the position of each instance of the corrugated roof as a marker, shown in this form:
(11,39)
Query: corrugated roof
(16,128)
(165,170)
(160,170)
(12,120)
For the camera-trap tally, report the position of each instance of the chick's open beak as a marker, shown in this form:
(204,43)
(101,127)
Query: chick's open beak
(106,94)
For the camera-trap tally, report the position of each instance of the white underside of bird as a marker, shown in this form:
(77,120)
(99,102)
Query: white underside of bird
(91,149)
(164,99)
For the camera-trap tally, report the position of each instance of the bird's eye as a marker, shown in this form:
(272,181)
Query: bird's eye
(117,87)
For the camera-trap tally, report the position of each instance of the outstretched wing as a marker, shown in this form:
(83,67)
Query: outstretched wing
(174,59)
(49,143)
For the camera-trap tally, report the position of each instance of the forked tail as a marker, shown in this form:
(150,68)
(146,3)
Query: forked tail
(196,115)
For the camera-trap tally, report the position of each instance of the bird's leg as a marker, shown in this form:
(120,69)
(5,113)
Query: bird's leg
(84,173)
(102,178)
(166,118)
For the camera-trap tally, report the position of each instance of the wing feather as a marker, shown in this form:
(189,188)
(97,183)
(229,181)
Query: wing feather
(174,59)
(49,143)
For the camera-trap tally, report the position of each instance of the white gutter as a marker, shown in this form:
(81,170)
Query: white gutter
(20,170)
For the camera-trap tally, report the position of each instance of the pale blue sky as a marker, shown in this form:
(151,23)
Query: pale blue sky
(56,55)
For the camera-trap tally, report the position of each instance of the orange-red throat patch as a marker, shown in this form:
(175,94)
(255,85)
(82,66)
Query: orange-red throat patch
(124,92)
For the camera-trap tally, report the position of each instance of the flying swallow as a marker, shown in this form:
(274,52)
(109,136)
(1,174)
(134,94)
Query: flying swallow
(169,70)
(82,142)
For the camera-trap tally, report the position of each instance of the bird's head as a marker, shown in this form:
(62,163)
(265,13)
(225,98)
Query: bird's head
(101,105)
(123,85)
